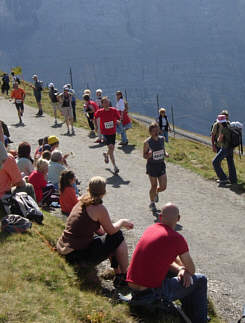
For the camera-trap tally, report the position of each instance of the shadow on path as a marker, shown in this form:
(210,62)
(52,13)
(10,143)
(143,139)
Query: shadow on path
(58,125)
(17,125)
(127,149)
(116,180)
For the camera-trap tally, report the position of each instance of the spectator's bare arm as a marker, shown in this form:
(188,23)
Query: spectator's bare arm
(1,133)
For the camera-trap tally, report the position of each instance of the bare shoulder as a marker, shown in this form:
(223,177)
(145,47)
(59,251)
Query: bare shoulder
(146,142)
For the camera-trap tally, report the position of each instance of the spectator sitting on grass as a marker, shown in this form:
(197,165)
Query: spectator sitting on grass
(55,168)
(68,197)
(24,160)
(46,155)
(91,237)
(10,176)
(38,178)
(162,268)
(42,145)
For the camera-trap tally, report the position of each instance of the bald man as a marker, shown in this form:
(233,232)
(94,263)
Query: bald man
(159,252)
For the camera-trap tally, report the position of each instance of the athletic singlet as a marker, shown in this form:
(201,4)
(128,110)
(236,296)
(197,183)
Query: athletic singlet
(157,148)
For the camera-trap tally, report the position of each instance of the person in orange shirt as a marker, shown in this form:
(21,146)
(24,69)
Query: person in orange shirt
(68,197)
(18,95)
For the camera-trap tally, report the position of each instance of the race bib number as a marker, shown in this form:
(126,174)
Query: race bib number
(158,155)
(18,101)
(109,125)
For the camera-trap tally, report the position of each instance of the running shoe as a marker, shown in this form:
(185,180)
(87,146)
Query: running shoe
(116,170)
(123,143)
(38,113)
(120,281)
(55,122)
(68,133)
(106,158)
(152,207)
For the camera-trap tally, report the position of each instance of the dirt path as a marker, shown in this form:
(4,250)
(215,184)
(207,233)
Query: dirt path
(212,218)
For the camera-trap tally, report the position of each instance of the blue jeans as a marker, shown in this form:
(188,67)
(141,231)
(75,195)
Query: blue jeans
(165,134)
(228,154)
(193,299)
(122,131)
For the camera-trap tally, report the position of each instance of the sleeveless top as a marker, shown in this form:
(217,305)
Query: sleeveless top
(80,229)
(66,101)
(157,148)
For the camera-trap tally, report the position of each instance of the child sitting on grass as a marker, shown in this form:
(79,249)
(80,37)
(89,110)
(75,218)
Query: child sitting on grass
(68,197)
(43,189)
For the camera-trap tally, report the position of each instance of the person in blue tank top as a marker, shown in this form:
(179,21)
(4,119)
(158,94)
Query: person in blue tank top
(154,152)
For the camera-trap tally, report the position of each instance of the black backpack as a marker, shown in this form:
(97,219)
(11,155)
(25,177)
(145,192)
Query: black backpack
(15,223)
(236,137)
(24,205)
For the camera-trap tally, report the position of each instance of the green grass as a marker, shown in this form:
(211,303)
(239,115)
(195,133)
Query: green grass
(37,285)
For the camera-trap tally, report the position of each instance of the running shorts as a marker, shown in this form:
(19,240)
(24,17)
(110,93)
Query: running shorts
(67,112)
(100,249)
(156,170)
(19,106)
(38,97)
(110,139)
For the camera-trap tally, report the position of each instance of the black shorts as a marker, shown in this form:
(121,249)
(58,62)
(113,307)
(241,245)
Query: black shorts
(38,98)
(110,139)
(99,250)
(20,106)
(156,170)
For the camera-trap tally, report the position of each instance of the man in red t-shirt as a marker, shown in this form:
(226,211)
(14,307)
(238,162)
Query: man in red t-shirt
(109,117)
(159,252)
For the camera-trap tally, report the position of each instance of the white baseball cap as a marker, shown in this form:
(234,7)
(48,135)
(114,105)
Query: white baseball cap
(51,85)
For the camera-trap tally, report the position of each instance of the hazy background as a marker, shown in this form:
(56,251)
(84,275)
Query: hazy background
(190,52)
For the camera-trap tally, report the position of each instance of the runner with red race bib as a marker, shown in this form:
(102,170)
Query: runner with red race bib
(154,152)
(109,118)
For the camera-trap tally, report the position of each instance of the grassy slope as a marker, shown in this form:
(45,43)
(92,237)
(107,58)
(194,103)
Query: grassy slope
(36,285)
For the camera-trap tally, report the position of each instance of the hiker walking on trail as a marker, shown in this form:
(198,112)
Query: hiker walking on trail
(73,102)
(37,90)
(225,151)
(163,123)
(216,131)
(5,84)
(66,108)
(18,95)
(90,108)
(91,237)
(162,269)
(53,95)
(120,105)
(154,152)
(109,117)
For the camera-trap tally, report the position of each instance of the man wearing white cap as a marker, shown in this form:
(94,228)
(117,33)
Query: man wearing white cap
(53,93)
(37,90)
(225,151)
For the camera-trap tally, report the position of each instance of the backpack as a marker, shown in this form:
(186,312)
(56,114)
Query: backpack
(236,136)
(24,205)
(15,223)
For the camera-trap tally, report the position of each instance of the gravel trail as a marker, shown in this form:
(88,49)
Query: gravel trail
(212,219)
